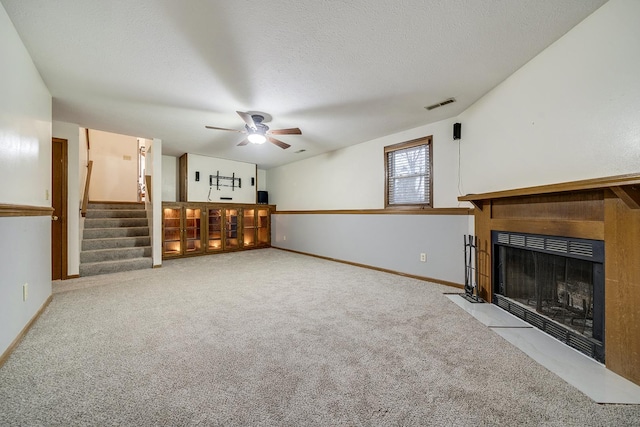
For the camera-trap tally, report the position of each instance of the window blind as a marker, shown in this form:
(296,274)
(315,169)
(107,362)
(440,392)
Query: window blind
(408,176)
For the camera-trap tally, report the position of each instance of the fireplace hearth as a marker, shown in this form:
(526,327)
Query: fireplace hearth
(554,283)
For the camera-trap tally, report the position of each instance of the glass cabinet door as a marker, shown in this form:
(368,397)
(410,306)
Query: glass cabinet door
(262,227)
(232,232)
(193,230)
(248,228)
(214,236)
(171,230)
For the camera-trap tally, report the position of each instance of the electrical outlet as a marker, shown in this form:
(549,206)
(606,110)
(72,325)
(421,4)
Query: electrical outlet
(284,237)
(423,257)
(46,194)
(25,291)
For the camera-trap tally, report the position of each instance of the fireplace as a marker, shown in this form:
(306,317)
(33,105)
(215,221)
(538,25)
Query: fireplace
(603,209)
(554,283)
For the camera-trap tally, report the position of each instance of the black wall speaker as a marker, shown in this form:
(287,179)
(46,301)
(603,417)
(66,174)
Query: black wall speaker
(263,197)
(457,130)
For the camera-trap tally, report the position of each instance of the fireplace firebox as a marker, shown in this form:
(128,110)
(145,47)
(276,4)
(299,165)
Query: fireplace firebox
(554,283)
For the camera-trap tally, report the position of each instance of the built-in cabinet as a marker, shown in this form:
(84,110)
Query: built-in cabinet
(256,231)
(198,228)
(182,230)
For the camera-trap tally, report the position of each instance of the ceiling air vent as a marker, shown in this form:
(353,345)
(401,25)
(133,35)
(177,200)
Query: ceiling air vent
(440,104)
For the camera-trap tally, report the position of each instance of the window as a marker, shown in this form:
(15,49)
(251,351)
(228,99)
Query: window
(408,167)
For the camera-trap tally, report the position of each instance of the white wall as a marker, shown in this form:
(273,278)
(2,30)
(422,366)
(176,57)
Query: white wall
(169,179)
(170,182)
(200,191)
(76,171)
(115,167)
(25,124)
(571,113)
(353,177)
(25,171)
(262,180)
(154,168)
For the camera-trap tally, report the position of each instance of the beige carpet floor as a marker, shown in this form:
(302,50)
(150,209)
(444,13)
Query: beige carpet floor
(270,338)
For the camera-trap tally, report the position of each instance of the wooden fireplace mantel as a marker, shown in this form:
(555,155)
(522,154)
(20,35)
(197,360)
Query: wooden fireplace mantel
(625,187)
(605,209)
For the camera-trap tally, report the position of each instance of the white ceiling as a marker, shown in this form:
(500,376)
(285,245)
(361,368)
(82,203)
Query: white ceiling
(343,71)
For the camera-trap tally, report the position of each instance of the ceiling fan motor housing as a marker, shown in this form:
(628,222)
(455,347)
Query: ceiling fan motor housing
(260,127)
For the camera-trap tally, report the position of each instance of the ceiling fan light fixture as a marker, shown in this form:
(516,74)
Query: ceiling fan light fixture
(259,133)
(257,138)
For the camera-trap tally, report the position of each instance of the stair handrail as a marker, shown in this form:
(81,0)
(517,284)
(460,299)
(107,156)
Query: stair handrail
(85,197)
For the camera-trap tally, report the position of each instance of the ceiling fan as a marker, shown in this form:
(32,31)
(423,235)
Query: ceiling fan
(257,132)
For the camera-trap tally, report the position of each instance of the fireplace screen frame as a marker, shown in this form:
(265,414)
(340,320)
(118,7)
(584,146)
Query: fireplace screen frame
(582,249)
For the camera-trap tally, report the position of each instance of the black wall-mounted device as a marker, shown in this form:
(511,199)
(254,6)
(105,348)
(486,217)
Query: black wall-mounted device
(253,181)
(197,176)
(457,131)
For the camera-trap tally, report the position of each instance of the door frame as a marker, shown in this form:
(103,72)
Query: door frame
(64,273)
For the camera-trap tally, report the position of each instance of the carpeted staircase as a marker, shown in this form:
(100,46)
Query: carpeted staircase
(116,238)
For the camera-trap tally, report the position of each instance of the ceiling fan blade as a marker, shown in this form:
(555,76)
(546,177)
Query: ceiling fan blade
(279,143)
(291,131)
(243,142)
(231,130)
(247,119)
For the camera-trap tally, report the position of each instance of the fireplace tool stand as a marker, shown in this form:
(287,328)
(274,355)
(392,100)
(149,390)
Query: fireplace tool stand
(471,293)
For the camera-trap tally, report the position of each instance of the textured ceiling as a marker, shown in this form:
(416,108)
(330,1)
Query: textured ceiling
(344,71)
